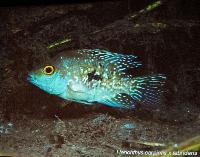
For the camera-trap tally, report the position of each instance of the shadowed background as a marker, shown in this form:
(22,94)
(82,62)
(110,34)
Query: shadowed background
(166,39)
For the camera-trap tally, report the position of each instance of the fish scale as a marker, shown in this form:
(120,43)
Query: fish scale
(88,76)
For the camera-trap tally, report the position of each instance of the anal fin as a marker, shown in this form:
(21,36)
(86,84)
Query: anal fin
(121,100)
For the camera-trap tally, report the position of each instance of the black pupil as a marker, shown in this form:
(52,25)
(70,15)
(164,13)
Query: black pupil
(49,70)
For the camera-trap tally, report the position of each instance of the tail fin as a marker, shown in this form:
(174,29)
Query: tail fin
(147,89)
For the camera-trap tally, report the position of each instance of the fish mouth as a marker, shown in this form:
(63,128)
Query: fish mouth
(32,79)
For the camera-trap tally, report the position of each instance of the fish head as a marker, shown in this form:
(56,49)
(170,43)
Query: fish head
(49,78)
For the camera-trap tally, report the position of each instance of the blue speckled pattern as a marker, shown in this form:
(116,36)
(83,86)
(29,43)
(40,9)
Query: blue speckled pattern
(89,76)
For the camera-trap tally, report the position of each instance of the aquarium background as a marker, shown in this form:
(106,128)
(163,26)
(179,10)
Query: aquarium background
(164,34)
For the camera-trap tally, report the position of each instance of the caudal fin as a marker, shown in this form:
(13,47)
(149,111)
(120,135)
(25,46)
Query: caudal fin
(147,89)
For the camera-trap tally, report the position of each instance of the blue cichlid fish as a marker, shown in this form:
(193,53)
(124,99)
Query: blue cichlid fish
(92,76)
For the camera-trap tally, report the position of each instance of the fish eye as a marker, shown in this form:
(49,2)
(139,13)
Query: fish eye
(49,70)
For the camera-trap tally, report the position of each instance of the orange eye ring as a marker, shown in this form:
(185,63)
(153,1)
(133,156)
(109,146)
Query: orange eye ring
(49,70)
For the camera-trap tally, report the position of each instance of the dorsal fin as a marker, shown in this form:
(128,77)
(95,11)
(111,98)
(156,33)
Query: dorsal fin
(120,62)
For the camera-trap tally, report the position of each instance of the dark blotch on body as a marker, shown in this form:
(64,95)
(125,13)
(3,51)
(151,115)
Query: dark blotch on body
(92,76)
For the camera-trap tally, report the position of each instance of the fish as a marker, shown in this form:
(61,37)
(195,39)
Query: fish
(91,76)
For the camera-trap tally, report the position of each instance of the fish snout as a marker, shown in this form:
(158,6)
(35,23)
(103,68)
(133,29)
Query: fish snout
(31,78)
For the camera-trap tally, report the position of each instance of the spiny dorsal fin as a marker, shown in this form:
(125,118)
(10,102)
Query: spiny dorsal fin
(121,62)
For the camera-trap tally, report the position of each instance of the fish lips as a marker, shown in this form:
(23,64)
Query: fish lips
(34,81)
